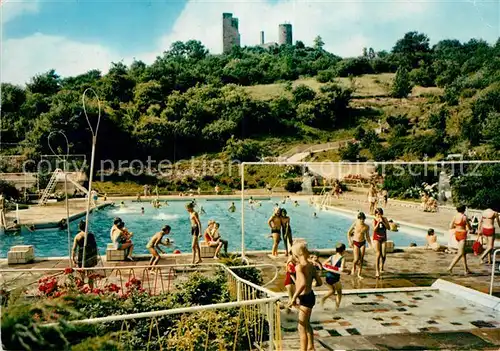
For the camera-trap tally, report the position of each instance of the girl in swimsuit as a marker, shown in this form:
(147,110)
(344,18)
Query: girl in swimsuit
(195,232)
(461,225)
(357,237)
(333,279)
(275,224)
(487,229)
(287,231)
(290,277)
(380,227)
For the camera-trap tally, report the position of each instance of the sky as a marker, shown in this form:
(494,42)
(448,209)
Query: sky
(74,36)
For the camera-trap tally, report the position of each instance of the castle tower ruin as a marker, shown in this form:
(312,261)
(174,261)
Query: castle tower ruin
(285,34)
(230,33)
(262,38)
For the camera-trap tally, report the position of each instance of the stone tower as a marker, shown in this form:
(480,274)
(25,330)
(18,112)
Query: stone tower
(262,38)
(230,33)
(285,34)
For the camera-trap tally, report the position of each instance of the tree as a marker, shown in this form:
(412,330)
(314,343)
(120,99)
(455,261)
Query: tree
(371,54)
(401,86)
(350,152)
(303,93)
(491,129)
(318,43)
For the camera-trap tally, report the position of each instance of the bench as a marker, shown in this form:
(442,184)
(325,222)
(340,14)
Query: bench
(207,251)
(113,254)
(21,254)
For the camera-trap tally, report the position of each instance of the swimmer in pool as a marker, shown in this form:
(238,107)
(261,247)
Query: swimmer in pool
(357,236)
(232,208)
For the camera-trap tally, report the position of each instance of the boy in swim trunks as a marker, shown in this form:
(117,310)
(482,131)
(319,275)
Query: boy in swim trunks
(305,274)
(153,245)
(357,237)
(195,232)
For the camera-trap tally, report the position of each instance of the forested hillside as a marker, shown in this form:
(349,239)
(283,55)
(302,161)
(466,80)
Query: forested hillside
(190,102)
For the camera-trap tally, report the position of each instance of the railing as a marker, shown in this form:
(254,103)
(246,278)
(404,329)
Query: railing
(493,268)
(256,306)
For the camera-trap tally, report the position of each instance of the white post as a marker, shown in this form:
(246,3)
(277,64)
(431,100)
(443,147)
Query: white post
(493,270)
(67,214)
(242,170)
(270,320)
(238,290)
(94,141)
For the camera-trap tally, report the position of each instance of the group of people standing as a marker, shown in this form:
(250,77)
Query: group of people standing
(461,226)
(279,223)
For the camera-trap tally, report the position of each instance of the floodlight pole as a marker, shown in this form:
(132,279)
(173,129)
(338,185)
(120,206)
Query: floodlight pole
(91,175)
(242,170)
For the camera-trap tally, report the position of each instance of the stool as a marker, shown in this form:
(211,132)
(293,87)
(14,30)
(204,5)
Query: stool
(113,254)
(389,246)
(21,254)
(207,251)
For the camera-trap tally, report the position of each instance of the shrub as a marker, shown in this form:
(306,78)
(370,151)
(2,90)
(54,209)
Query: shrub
(350,152)
(402,85)
(326,76)
(293,186)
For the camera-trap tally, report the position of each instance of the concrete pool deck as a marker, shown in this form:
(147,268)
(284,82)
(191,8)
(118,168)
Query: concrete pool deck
(368,319)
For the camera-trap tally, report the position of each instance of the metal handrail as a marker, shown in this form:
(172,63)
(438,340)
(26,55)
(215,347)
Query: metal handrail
(493,270)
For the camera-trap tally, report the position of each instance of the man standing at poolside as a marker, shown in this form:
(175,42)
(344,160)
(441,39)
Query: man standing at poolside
(372,198)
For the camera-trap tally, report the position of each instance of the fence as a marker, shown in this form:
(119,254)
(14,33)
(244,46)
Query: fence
(257,307)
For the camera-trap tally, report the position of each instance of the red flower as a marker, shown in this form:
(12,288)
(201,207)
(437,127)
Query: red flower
(68,270)
(112,288)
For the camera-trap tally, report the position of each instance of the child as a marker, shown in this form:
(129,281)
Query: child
(432,242)
(153,245)
(142,210)
(305,274)
(290,277)
(195,232)
(333,278)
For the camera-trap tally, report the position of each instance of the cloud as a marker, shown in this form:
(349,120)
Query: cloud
(341,24)
(11,9)
(25,57)
(338,22)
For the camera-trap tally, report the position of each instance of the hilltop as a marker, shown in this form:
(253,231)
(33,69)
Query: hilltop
(413,102)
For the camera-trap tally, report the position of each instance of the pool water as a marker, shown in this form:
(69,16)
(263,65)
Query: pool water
(321,232)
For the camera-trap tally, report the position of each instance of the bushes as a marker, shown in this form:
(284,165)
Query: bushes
(20,319)
(293,186)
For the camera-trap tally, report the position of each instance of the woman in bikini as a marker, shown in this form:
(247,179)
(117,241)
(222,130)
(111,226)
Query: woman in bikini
(487,229)
(275,224)
(380,227)
(287,231)
(195,232)
(357,236)
(461,225)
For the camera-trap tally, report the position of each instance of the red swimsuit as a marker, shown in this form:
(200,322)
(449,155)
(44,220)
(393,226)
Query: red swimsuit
(290,270)
(379,231)
(461,234)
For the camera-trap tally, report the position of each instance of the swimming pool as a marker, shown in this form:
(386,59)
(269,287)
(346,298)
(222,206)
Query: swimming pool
(321,232)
